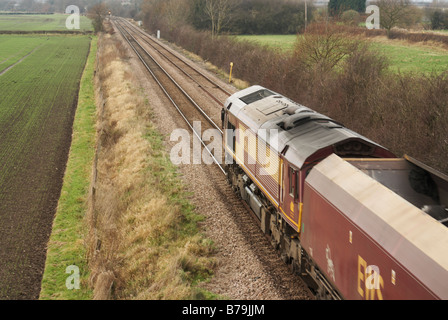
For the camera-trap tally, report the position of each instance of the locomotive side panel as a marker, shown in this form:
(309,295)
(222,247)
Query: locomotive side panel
(349,258)
(268,168)
(256,157)
(246,147)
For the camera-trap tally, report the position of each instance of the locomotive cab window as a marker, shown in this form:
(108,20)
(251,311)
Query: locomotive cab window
(230,132)
(293,183)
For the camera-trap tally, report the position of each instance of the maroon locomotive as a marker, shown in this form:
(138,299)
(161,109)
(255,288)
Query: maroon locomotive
(351,218)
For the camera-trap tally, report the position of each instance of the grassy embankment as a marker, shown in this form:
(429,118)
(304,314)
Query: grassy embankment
(66,244)
(144,241)
(403,56)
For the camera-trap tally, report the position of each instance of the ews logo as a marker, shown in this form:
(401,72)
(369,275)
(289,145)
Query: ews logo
(370,281)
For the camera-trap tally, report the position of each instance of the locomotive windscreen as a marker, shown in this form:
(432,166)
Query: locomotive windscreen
(255,96)
(353,148)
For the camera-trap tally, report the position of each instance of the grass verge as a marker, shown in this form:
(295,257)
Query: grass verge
(66,245)
(144,241)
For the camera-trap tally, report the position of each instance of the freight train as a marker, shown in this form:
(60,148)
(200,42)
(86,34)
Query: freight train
(347,215)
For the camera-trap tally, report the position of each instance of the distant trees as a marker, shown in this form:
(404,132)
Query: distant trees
(439,19)
(336,7)
(219,13)
(97,13)
(130,10)
(42,6)
(229,16)
(393,13)
(169,14)
(249,16)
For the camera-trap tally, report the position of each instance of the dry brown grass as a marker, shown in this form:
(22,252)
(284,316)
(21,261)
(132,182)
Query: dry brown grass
(143,243)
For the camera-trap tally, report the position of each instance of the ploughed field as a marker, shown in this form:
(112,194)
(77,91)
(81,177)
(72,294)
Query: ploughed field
(39,82)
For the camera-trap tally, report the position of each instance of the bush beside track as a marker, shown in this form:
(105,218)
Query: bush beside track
(143,240)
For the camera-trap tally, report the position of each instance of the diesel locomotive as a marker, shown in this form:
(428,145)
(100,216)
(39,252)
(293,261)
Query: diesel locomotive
(351,218)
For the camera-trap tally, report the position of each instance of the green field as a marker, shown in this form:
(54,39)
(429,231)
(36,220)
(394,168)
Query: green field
(15,47)
(37,105)
(279,41)
(39,22)
(414,58)
(402,57)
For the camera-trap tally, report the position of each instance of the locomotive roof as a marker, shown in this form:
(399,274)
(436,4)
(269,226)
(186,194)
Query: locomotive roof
(282,122)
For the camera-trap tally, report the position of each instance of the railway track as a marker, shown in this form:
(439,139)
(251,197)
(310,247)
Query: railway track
(180,99)
(190,111)
(173,90)
(214,90)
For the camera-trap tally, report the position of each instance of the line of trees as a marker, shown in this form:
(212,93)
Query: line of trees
(439,19)
(59,6)
(337,7)
(48,6)
(263,16)
(230,16)
(393,13)
(281,16)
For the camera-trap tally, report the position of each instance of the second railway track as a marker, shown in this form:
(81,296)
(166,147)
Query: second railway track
(213,89)
(181,100)
(185,105)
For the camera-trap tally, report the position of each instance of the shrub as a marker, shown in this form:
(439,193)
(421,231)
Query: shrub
(324,50)
(350,17)
(439,20)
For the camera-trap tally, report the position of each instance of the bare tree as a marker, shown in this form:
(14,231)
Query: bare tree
(219,12)
(97,13)
(393,13)
(176,12)
(325,49)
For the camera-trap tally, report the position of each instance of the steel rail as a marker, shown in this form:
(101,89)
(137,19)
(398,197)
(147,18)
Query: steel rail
(174,82)
(216,85)
(198,136)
